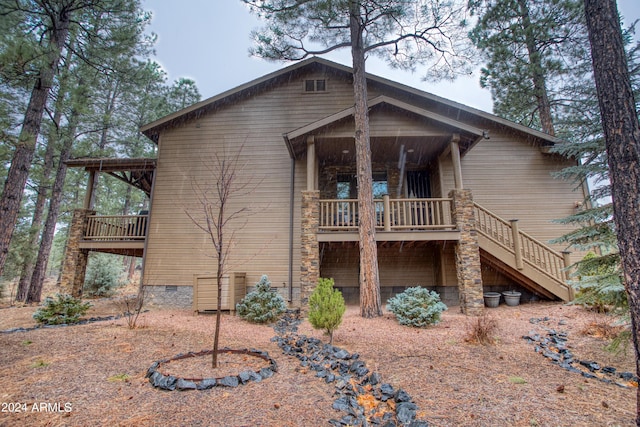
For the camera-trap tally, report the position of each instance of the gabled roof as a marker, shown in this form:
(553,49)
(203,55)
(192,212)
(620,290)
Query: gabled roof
(152,130)
(383,99)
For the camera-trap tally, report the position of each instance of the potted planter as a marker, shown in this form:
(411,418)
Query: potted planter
(511,298)
(491,299)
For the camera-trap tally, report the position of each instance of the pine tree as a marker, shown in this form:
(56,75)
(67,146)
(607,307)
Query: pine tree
(405,33)
(326,307)
(622,137)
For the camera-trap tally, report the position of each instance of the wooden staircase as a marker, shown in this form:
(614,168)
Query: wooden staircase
(521,257)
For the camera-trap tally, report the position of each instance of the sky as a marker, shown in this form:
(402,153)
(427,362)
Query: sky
(209,40)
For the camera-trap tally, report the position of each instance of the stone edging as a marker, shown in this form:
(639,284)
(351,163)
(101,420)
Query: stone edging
(170,383)
(553,346)
(81,322)
(354,383)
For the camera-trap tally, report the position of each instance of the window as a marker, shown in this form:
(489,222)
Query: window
(380,185)
(347,186)
(319,85)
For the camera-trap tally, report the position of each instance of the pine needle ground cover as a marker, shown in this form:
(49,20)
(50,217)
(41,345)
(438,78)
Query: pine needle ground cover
(452,381)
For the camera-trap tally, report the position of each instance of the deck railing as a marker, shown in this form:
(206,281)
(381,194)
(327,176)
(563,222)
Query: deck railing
(116,227)
(391,214)
(526,249)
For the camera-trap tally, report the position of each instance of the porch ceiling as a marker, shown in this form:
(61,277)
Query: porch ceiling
(420,150)
(393,124)
(137,172)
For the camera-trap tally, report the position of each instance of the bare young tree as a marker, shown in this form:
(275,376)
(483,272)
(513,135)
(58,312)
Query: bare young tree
(215,213)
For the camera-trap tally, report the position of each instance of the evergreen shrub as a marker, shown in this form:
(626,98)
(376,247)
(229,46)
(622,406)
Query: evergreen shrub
(417,307)
(326,307)
(65,309)
(262,305)
(104,275)
(600,287)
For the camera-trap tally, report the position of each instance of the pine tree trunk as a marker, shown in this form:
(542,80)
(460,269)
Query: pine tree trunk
(43,190)
(36,222)
(23,155)
(370,305)
(39,271)
(622,137)
(537,77)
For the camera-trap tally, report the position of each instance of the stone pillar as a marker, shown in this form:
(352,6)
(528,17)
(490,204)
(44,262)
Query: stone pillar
(310,252)
(75,259)
(467,254)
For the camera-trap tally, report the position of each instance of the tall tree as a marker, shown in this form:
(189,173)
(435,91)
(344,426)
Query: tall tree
(529,47)
(120,37)
(622,137)
(54,19)
(405,33)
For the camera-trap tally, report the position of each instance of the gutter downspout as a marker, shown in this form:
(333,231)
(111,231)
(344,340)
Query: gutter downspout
(291,224)
(148,225)
(291,213)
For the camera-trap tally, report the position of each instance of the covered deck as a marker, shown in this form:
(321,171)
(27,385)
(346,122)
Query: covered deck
(424,219)
(115,234)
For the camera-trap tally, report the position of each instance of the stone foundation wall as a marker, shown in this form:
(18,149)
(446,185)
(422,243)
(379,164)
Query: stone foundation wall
(169,296)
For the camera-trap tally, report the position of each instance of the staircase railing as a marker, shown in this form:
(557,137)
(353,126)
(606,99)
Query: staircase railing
(525,248)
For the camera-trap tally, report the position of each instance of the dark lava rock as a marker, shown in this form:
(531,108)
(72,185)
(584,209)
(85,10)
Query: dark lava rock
(266,373)
(406,412)
(341,354)
(402,396)
(592,366)
(229,381)
(166,383)
(183,384)
(387,392)
(207,383)
(245,376)
(341,404)
(374,378)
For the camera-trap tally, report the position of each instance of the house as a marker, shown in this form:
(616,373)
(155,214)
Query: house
(465,201)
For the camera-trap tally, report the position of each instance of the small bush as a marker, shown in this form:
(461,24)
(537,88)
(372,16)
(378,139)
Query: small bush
(131,306)
(417,307)
(65,309)
(326,307)
(482,329)
(104,272)
(262,305)
(600,287)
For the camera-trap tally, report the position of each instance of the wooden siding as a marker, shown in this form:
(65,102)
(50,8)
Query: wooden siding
(399,266)
(507,175)
(176,249)
(513,179)
(205,292)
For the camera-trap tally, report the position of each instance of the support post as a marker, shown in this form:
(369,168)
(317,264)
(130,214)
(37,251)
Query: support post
(566,257)
(310,250)
(386,213)
(75,259)
(455,159)
(89,194)
(467,249)
(515,235)
(311,163)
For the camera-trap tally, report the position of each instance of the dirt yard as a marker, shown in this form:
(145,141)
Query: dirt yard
(93,374)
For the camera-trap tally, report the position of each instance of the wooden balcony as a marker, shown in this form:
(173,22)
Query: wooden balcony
(119,234)
(396,220)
